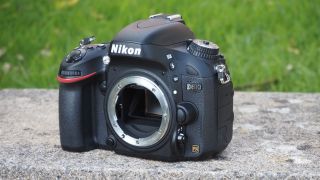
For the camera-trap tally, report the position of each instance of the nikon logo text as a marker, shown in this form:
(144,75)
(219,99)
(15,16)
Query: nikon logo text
(123,49)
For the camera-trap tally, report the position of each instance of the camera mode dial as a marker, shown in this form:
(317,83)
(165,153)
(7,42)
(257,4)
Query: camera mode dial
(203,48)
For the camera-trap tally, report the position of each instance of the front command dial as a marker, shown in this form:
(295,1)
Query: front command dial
(203,48)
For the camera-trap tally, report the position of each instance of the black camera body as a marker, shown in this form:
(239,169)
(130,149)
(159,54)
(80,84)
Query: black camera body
(153,92)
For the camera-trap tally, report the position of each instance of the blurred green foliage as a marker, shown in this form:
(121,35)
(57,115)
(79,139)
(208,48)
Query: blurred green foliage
(271,45)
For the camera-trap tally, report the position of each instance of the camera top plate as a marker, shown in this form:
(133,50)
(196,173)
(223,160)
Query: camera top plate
(159,30)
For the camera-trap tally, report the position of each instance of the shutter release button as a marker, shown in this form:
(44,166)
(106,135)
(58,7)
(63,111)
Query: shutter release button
(75,55)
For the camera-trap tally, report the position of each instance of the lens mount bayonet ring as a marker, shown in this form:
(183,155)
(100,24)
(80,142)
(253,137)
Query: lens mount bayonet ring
(157,92)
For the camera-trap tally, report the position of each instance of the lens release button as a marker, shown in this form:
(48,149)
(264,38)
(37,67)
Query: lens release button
(186,113)
(181,116)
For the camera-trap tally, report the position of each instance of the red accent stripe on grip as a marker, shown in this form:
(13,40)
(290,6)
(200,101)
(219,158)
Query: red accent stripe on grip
(75,79)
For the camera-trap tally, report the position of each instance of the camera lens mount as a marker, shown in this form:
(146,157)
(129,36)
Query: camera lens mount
(117,124)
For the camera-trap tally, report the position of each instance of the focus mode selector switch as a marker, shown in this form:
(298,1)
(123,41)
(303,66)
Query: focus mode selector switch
(75,55)
(181,138)
(186,113)
(203,48)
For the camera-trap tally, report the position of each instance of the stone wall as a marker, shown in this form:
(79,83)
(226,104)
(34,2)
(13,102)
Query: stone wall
(276,135)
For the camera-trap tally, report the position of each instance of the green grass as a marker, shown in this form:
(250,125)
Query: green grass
(270,45)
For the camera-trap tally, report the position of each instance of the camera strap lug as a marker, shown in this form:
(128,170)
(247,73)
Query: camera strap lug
(223,76)
(86,41)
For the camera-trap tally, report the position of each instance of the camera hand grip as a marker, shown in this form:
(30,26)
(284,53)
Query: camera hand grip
(74,119)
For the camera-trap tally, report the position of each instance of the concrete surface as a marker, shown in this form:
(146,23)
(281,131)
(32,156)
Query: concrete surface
(276,135)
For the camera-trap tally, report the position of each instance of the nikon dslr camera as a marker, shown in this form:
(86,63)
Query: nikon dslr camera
(154,92)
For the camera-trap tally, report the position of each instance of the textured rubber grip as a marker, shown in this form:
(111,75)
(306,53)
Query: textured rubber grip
(74,118)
